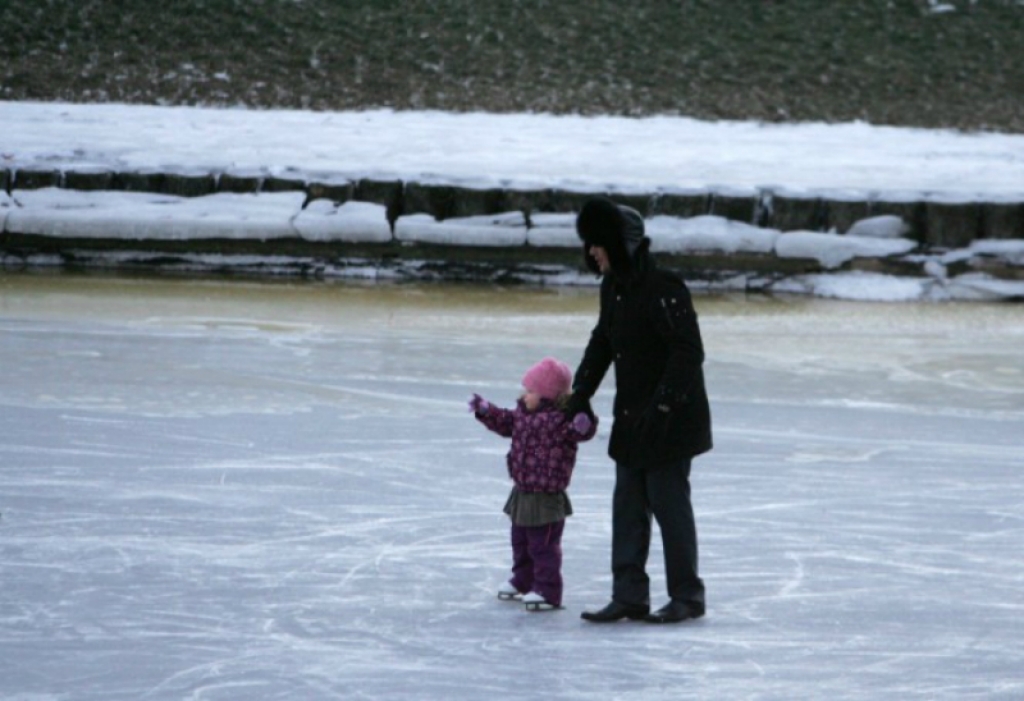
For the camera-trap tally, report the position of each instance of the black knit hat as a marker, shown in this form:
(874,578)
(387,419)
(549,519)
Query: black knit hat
(616,228)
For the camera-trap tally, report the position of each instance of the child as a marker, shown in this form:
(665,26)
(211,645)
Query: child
(540,462)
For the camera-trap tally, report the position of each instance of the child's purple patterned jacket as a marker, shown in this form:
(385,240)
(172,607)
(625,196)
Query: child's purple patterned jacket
(544,443)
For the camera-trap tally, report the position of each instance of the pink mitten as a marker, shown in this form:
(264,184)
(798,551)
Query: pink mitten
(479,405)
(581,423)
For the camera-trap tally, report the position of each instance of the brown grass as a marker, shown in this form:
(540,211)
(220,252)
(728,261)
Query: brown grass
(880,61)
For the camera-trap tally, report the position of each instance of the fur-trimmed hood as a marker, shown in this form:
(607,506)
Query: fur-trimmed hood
(616,228)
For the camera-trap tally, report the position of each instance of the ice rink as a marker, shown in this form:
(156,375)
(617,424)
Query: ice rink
(228,489)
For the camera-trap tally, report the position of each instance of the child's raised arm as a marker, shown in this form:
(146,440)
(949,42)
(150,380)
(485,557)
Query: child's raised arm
(494,418)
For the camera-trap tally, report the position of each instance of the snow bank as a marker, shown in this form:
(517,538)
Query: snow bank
(833,250)
(351,222)
(885,226)
(146,216)
(499,230)
(708,233)
(857,286)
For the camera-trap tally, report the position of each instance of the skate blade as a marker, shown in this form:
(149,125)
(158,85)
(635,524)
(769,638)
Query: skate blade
(505,596)
(538,606)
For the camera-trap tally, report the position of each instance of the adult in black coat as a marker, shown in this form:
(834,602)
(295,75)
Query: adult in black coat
(648,329)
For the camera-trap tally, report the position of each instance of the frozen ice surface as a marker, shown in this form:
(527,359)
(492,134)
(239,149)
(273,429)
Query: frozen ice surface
(241,490)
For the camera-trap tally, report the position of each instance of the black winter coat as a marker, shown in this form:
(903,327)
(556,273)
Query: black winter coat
(648,328)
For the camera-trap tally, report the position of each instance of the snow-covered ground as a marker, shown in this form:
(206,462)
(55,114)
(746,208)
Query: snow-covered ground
(663,154)
(521,150)
(237,490)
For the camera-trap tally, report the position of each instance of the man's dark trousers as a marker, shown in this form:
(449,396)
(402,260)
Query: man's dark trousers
(663,492)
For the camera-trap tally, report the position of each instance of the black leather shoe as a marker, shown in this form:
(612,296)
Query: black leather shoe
(616,612)
(676,612)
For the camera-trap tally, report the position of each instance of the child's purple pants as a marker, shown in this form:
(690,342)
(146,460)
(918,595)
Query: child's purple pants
(537,560)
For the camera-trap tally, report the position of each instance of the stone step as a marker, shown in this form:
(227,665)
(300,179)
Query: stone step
(934,219)
(935,222)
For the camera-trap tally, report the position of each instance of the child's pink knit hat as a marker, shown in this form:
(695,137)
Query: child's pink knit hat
(549,378)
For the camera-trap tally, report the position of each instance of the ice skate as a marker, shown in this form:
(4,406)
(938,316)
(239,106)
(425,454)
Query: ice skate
(535,602)
(507,592)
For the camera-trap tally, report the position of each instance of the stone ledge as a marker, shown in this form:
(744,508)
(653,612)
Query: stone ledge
(935,220)
(522,229)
